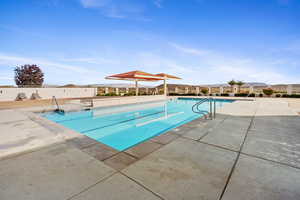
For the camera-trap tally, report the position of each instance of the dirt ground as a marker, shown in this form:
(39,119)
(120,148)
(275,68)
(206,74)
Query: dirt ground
(42,102)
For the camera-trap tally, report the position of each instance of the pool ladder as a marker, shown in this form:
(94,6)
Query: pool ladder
(211,113)
(58,109)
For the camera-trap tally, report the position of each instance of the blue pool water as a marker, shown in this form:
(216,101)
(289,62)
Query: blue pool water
(122,127)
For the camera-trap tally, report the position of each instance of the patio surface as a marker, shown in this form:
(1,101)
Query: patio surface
(250,151)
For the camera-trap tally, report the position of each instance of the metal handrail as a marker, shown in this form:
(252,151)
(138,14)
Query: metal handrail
(199,103)
(212,107)
(58,110)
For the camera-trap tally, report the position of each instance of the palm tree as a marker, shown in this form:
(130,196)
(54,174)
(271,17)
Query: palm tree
(232,83)
(240,84)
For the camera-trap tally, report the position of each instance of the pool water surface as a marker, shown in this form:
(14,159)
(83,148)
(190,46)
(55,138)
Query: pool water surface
(122,127)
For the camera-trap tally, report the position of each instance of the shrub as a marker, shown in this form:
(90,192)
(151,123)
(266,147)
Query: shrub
(174,94)
(111,94)
(217,94)
(278,95)
(225,95)
(251,95)
(260,95)
(143,94)
(241,95)
(129,94)
(295,95)
(188,94)
(204,90)
(35,96)
(21,96)
(268,91)
(291,95)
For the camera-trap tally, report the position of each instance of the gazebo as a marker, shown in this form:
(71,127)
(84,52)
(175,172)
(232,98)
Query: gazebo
(165,78)
(137,76)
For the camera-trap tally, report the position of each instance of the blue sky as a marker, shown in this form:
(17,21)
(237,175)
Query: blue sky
(202,41)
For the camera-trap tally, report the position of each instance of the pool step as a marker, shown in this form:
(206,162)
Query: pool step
(87,104)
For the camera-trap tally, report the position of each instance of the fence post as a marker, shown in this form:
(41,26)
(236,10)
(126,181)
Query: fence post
(221,90)
(186,90)
(176,89)
(251,89)
(210,107)
(215,108)
(289,89)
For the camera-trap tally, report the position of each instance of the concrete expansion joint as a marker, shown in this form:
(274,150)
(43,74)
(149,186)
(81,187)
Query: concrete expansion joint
(143,186)
(273,161)
(12,122)
(237,157)
(217,146)
(89,187)
(16,155)
(209,130)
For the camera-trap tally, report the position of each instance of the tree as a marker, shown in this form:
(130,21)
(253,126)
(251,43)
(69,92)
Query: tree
(204,90)
(232,83)
(268,91)
(29,75)
(240,84)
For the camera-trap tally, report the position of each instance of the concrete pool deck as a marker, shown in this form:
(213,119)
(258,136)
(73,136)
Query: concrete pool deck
(250,151)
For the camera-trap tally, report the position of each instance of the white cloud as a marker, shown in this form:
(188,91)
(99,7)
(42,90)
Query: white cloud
(158,63)
(18,60)
(189,50)
(55,72)
(158,3)
(251,74)
(23,31)
(91,60)
(283,2)
(293,47)
(6,78)
(221,67)
(94,3)
(116,9)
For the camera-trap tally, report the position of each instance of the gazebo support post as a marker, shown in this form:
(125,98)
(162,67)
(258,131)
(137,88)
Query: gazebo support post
(136,88)
(165,86)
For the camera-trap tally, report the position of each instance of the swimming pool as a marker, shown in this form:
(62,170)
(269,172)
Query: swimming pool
(122,127)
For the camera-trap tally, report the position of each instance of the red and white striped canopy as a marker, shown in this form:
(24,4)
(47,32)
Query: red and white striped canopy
(168,76)
(136,76)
